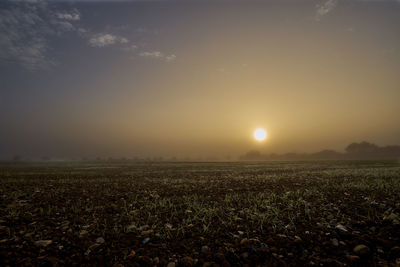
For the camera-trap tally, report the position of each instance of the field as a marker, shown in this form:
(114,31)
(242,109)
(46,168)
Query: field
(200,214)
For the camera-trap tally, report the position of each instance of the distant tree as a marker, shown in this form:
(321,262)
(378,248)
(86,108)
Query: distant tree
(326,154)
(17,158)
(362,148)
(391,150)
(252,155)
(291,156)
(273,156)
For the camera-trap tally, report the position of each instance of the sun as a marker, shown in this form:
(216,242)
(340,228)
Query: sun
(260,134)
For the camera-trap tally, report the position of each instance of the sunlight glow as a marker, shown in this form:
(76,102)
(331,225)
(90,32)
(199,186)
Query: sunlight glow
(260,134)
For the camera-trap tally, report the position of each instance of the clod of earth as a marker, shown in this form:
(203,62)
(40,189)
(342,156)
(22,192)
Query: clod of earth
(100,240)
(341,228)
(393,218)
(43,243)
(334,242)
(361,250)
(205,249)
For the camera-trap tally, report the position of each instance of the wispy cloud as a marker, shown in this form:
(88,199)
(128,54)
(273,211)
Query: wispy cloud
(106,39)
(170,58)
(26,26)
(131,47)
(158,55)
(324,8)
(73,15)
(152,54)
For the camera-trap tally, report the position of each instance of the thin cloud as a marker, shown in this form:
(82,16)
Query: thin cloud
(74,15)
(106,39)
(158,55)
(170,58)
(130,48)
(152,54)
(324,8)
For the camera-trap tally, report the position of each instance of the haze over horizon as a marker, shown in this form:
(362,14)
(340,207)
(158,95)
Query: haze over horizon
(174,78)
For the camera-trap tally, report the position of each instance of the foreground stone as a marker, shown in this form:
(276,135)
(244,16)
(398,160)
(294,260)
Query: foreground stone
(43,243)
(361,250)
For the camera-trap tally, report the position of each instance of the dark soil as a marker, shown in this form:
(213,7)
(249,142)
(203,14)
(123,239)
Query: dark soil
(200,214)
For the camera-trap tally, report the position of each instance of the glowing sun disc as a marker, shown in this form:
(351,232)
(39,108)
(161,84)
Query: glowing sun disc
(260,134)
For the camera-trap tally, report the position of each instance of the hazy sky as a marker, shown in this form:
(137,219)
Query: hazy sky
(195,78)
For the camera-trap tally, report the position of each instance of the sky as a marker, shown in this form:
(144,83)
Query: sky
(196,78)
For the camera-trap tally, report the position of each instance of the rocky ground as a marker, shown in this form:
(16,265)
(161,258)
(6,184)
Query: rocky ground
(200,214)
